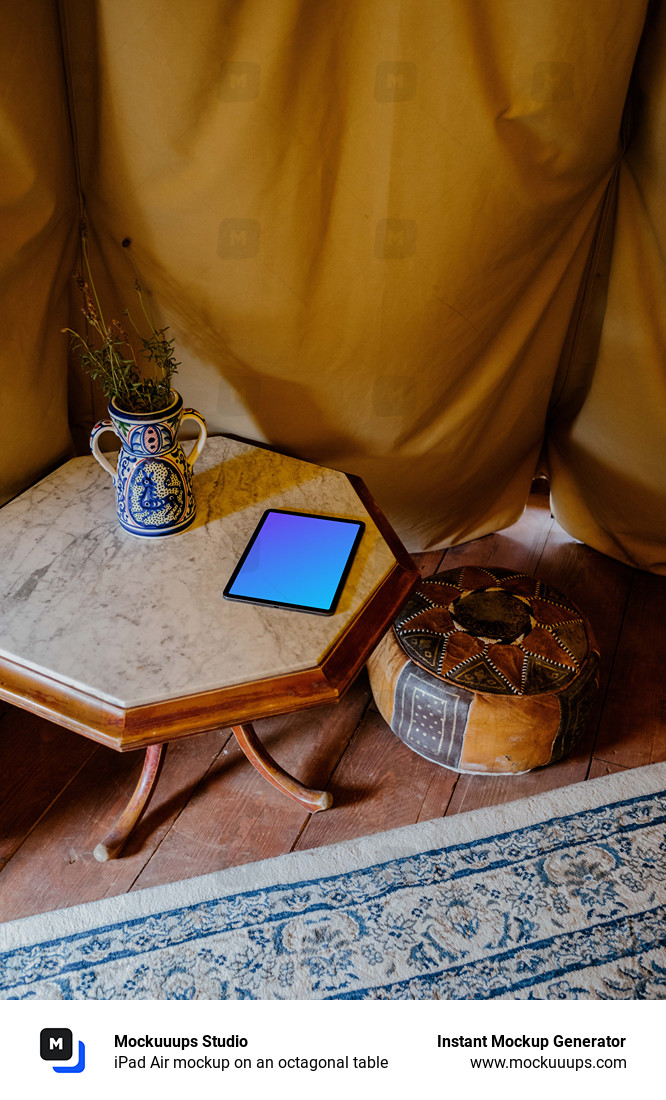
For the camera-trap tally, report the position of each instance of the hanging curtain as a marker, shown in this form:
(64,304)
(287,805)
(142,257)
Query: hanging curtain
(368,224)
(608,439)
(366,221)
(38,217)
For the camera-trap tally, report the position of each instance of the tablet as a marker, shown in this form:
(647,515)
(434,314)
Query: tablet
(296,560)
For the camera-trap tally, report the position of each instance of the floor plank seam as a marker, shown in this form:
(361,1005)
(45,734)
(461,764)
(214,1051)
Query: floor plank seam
(49,807)
(544,543)
(300,832)
(448,801)
(609,678)
(190,796)
(347,744)
(602,760)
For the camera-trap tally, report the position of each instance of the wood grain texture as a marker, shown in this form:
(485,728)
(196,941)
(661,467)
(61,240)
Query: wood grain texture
(116,838)
(60,792)
(254,749)
(55,867)
(345,660)
(430,563)
(632,730)
(474,791)
(125,729)
(138,727)
(37,763)
(599,768)
(518,547)
(600,587)
(380,784)
(235,817)
(401,555)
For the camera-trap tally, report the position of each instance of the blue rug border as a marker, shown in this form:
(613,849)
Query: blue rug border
(257,892)
(538,945)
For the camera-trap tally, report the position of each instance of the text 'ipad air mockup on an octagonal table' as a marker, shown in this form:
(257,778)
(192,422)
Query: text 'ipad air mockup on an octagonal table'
(296,560)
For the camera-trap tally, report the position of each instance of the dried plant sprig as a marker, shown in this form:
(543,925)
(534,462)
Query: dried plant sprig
(107,355)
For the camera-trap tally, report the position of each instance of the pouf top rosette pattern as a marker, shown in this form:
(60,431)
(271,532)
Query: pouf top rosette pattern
(487,670)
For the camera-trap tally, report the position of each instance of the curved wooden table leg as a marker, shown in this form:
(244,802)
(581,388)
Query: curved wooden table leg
(260,759)
(114,840)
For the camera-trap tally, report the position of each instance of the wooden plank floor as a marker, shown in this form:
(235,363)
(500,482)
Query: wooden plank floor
(60,793)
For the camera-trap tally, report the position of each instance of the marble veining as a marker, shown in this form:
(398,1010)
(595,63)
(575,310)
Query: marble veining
(139,621)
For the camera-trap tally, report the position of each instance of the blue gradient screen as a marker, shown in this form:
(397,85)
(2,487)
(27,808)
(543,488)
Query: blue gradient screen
(297,560)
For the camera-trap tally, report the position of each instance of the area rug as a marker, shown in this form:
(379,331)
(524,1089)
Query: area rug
(561,895)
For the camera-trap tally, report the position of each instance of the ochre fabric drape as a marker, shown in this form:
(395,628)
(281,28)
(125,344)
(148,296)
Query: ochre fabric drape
(38,235)
(370,225)
(608,443)
(366,221)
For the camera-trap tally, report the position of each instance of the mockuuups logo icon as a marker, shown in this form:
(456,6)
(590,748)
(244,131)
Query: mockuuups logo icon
(56,1045)
(238,239)
(239,80)
(395,81)
(395,238)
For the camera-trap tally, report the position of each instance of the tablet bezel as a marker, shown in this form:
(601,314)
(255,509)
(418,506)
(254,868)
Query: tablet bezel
(330,610)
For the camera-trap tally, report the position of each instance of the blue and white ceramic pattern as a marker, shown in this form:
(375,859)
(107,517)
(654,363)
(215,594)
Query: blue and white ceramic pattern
(153,478)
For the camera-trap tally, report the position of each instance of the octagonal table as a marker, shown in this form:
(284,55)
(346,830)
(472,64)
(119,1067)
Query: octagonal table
(130,642)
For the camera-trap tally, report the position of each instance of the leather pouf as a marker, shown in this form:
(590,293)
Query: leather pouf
(486,670)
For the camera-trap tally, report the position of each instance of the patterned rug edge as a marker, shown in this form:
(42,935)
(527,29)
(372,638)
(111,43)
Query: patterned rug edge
(345,857)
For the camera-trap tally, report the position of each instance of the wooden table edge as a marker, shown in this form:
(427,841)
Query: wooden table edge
(128,728)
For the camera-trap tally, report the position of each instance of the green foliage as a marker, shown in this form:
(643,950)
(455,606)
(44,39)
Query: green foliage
(106,354)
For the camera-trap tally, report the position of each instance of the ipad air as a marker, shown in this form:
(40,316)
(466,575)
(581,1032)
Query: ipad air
(296,560)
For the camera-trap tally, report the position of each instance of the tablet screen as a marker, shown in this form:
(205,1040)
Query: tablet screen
(296,560)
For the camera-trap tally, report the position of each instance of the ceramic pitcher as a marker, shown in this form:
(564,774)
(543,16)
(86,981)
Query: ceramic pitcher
(153,478)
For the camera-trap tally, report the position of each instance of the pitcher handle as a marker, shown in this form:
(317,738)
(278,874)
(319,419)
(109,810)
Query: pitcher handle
(99,429)
(191,414)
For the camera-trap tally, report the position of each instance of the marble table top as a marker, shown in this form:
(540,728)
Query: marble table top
(136,621)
